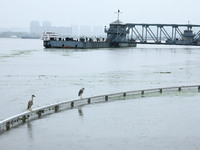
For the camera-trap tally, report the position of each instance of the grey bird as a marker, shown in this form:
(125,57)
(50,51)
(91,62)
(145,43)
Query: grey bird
(30,103)
(80,93)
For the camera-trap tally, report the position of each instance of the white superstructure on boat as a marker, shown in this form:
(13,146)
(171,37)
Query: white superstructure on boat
(47,35)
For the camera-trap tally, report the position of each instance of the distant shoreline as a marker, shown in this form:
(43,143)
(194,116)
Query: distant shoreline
(29,37)
(19,37)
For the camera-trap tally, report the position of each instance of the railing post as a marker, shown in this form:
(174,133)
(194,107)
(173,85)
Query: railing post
(24,119)
(56,108)
(72,104)
(106,98)
(39,113)
(8,126)
(179,89)
(124,95)
(89,100)
(142,92)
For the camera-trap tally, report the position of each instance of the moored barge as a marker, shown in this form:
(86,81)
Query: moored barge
(116,37)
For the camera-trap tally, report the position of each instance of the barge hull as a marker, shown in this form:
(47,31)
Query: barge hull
(83,45)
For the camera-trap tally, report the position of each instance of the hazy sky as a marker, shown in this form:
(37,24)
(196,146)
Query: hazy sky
(19,13)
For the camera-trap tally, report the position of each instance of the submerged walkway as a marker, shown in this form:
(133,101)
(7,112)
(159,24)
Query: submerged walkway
(22,118)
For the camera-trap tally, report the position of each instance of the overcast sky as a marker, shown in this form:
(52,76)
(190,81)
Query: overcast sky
(19,13)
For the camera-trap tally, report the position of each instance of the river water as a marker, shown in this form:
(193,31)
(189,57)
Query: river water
(55,75)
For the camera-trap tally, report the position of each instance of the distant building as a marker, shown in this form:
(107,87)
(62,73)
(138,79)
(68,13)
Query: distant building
(65,31)
(74,30)
(98,31)
(46,24)
(85,30)
(36,28)
(89,31)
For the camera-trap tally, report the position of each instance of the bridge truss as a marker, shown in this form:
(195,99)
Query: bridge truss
(177,34)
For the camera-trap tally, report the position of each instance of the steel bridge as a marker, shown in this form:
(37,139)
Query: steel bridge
(143,33)
(171,34)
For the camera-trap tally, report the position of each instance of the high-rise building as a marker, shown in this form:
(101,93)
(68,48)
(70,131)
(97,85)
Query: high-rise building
(98,31)
(75,30)
(85,30)
(35,27)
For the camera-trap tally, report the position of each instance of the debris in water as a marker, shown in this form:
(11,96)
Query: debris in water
(163,72)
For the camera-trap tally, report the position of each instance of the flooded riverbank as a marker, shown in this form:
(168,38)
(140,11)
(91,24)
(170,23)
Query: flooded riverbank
(55,75)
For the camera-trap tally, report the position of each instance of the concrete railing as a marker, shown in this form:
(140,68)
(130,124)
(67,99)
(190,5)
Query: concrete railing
(29,115)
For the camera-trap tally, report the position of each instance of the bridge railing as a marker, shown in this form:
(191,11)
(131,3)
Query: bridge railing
(29,115)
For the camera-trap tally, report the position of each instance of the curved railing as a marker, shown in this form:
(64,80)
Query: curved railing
(21,118)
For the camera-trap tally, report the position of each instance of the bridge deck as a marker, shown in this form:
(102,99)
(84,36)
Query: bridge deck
(162,25)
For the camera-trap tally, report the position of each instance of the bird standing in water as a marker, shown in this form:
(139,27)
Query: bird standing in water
(81,92)
(30,103)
